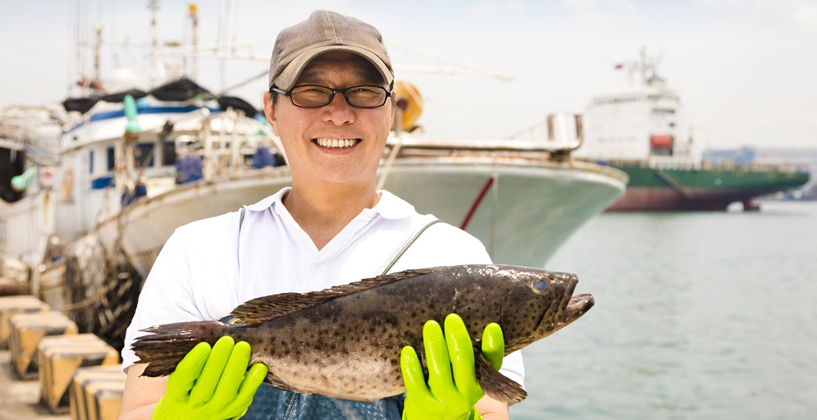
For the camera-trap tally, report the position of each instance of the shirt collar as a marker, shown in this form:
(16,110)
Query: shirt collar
(270,201)
(390,206)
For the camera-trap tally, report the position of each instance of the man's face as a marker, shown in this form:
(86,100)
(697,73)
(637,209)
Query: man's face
(360,132)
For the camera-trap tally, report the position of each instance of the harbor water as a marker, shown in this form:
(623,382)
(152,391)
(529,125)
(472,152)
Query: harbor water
(697,316)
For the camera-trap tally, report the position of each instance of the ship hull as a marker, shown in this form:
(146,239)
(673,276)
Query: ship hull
(654,189)
(522,210)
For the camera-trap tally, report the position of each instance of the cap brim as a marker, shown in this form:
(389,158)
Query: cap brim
(286,80)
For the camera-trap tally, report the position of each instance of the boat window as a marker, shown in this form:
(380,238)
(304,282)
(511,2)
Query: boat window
(169,153)
(111,158)
(144,154)
(91,162)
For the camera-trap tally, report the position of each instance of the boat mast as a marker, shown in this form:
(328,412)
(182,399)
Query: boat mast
(153,6)
(194,19)
(96,81)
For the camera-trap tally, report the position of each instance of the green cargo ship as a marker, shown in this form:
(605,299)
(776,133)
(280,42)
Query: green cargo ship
(679,189)
(641,131)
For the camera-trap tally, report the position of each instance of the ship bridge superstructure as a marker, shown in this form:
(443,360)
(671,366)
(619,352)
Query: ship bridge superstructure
(638,122)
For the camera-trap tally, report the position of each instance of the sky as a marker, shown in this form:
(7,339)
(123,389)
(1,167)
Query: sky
(746,70)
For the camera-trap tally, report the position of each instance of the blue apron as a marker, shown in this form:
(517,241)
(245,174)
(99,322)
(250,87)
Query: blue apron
(270,403)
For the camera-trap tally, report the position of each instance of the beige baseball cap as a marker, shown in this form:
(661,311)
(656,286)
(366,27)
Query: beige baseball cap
(322,32)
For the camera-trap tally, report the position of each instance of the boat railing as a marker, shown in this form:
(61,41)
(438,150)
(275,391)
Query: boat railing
(673,163)
(679,163)
(224,140)
(767,166)
(558,135)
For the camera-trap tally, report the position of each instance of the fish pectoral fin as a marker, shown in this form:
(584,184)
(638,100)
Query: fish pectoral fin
(277,382)
(495,384)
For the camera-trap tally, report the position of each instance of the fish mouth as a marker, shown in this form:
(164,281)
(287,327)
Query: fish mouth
(578,306)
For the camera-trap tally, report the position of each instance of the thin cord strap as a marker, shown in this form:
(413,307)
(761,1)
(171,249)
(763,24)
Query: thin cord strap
(405,248)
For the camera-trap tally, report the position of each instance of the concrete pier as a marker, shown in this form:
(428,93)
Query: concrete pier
(21,399)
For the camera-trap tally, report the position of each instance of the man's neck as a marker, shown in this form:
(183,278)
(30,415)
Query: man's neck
(323,212)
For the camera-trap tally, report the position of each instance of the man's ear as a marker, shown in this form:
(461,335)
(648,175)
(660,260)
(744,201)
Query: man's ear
(393,111)
(269,112)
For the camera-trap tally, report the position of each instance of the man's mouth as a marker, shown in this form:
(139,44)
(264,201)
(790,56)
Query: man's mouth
(335,143)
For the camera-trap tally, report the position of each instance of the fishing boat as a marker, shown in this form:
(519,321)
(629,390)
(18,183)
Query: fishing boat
(28,141)
(133,164)
(641,130)
(521,200)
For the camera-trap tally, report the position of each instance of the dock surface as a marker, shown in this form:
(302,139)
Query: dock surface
(21,399)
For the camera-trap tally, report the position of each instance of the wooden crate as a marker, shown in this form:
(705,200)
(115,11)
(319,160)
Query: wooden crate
(12,305)
(60,356)
(96,392)
(26,331)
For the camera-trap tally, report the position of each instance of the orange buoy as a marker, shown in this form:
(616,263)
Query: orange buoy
(410,102)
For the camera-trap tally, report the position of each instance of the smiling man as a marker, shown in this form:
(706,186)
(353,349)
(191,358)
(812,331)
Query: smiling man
(330,101)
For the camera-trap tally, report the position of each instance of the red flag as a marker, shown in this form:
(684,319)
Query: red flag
(619,66)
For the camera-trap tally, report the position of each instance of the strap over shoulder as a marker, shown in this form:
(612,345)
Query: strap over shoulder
(409,244)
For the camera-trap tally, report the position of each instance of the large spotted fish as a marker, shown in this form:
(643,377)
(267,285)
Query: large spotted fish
(345,342)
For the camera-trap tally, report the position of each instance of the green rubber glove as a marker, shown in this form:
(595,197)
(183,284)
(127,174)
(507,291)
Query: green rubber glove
(452,388)
(211,385)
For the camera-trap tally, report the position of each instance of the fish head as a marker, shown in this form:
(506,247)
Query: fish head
(542,303)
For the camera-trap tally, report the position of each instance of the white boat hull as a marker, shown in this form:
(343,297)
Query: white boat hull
(25,227)
(530,209)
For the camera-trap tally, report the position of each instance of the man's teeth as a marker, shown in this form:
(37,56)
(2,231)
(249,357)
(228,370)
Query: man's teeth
(336,143)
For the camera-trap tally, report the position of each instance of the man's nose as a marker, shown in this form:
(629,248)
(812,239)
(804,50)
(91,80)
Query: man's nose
(339,112)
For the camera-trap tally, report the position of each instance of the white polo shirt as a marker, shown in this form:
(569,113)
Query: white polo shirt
(207,268)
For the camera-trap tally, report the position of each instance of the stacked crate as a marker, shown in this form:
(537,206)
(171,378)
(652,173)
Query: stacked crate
(12,305)
(60,356)
(26,330)
(96,392)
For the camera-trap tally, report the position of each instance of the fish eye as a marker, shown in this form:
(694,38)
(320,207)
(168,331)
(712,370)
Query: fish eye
(540,285)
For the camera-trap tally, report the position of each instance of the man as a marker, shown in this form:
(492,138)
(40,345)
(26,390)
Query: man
(330,103)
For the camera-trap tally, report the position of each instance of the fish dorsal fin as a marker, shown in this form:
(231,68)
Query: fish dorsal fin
(267,308)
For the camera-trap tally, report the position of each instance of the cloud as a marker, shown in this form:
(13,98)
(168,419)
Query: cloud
(806,16)
(801,12)
(600,6)
(493,8)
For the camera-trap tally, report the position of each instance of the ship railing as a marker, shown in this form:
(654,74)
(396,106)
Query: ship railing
(673,163)
(559,135)
(780,166)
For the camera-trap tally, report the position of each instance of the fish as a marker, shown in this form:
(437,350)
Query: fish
(345,341)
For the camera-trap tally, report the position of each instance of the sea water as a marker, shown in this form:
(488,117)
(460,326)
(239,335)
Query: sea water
(698,316)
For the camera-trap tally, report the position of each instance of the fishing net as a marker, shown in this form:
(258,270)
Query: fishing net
(101,288)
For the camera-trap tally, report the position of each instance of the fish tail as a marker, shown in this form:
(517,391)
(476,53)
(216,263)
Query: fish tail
(166,345)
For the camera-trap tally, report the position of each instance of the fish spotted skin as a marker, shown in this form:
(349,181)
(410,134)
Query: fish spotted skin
(345,342)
